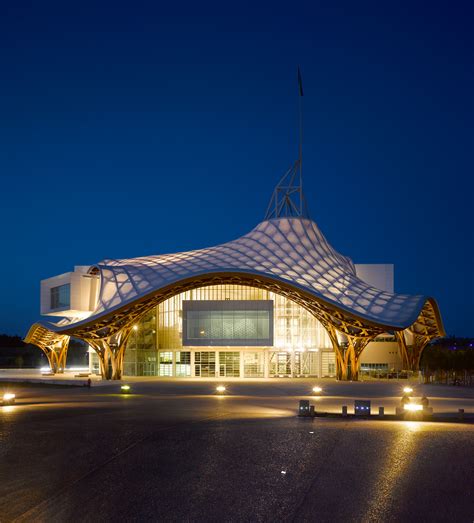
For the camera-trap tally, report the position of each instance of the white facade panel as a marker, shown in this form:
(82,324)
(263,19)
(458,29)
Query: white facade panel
(84,289)
(382,352)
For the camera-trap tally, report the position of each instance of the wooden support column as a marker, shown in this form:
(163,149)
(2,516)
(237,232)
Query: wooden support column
(402,345)
(419,344)
(56,352)
(61,352)
(52,359)
(111,351)
(352,355)
(341,367)
(411,354)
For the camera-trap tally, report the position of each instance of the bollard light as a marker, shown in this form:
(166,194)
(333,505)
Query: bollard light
(407,390)
(362,407)
(8,398)
(125,389)
(413,407)
(317,390)
(220,389)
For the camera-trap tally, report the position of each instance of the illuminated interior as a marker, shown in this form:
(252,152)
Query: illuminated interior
(299,344)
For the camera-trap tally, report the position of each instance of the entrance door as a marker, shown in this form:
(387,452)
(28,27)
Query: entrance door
(254,364)
(328,364)
(280,364)
(306,364)
(229,364)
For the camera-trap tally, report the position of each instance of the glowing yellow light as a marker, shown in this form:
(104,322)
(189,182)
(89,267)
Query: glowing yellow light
(413,407)
(8,396)
(413,426)
(407,390)
(317,390)
(125,388)
(220,388)
(201,332)
(135,327)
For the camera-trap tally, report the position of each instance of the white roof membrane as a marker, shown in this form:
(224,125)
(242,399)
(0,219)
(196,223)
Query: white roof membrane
(290,250)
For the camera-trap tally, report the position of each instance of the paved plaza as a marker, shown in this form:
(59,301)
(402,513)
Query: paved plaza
(176,451)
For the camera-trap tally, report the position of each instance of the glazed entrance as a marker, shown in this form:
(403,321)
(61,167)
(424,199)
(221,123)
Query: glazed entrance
(228,331)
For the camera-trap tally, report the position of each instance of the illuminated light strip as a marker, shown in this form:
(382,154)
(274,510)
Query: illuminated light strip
(413,407)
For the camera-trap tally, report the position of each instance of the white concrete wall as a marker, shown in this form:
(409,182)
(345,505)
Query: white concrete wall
(382,352)
(83,293)
(381,276)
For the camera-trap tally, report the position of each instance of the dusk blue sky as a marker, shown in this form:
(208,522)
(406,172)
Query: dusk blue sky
(135,128)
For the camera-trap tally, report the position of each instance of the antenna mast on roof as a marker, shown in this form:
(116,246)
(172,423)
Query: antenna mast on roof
(300,149)
(287,199)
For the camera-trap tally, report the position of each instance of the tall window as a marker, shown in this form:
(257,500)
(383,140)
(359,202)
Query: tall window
(61,296)
(229,364)
(205,364)
(183,363)
(166,363)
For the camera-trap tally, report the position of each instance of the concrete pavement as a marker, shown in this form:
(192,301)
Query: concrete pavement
(177,452)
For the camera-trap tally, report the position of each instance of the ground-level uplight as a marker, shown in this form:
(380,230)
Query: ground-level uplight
(220,389)
(125,389)
(8,398)
(413,407)
(407,390)
(317,390)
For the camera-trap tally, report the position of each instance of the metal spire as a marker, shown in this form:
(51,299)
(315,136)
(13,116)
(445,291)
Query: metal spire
(287,199)
(300,107)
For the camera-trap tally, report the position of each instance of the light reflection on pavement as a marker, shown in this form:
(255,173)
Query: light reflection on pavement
(179,452)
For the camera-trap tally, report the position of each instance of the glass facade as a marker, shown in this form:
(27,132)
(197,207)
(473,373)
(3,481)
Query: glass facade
(141,355)
(229,364)
(205,364)
(183,364)
(166,363)
(328,364)
(248,333)
(254,364)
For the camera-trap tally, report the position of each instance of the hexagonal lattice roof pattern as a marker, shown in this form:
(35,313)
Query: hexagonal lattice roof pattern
(290,250)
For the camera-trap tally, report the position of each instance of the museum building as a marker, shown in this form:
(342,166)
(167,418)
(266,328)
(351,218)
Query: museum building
(278,302)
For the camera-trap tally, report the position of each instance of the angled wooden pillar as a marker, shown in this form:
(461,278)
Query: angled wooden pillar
(53,345)
(402,345)
(419,344)
(111,351)
(352,355)
(341,367)
(57,355)
(50,353)
(61,352)
(412,352)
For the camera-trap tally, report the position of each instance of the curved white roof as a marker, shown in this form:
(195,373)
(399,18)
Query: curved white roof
(291,250)
(286,252)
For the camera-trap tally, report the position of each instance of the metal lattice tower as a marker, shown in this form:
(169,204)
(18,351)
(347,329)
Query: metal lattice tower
(287,200)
